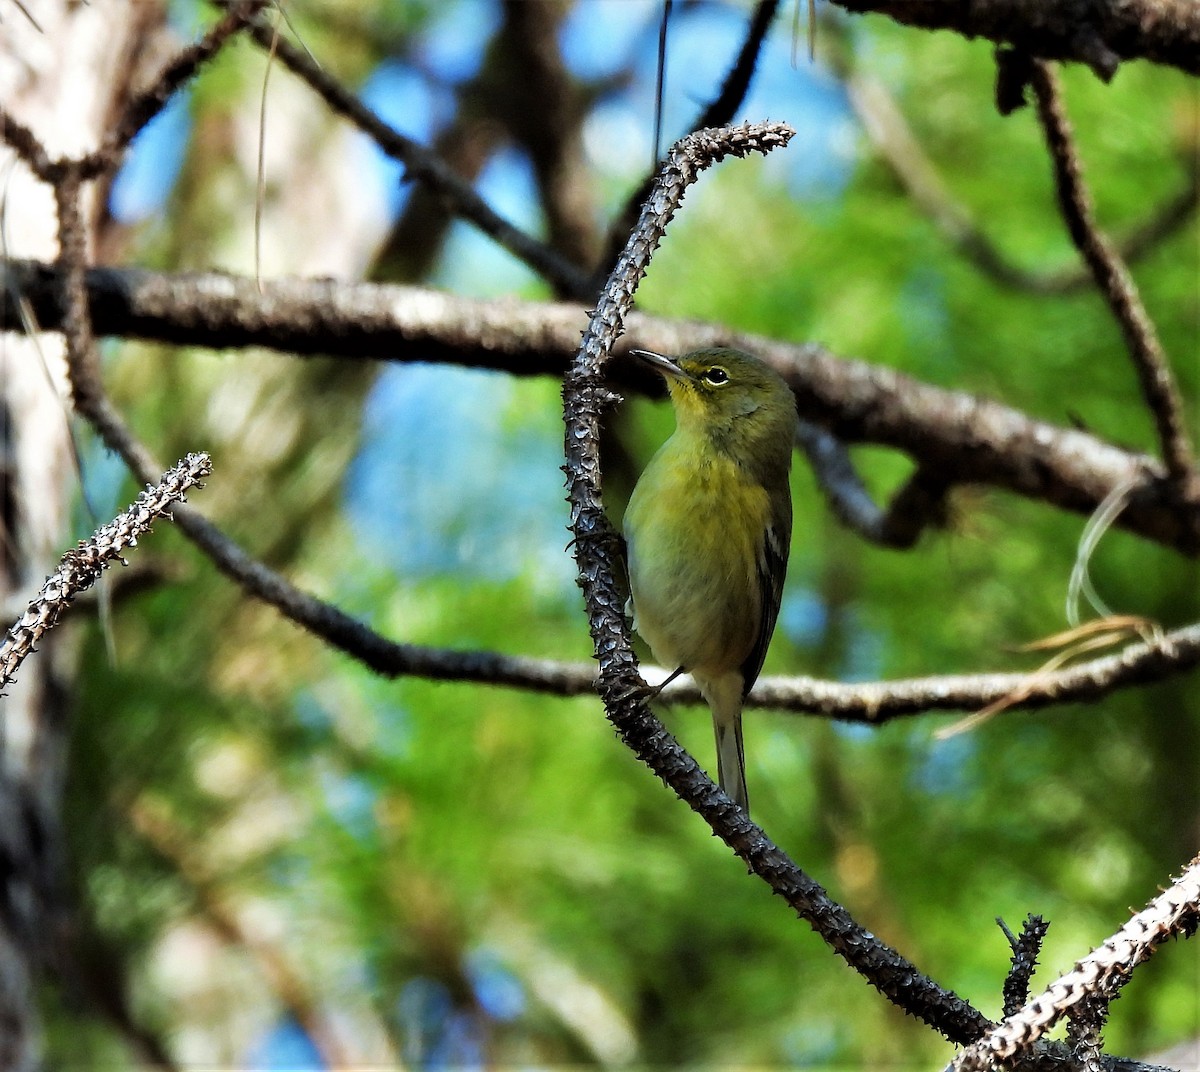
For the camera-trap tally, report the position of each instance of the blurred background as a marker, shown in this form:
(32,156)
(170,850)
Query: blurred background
(284,862)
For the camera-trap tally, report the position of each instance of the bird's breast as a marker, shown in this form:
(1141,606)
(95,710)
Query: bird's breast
(694,528)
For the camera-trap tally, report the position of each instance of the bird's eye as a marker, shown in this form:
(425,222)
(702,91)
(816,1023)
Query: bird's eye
(716,376)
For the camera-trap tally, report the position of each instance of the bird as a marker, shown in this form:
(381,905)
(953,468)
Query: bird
(708,529)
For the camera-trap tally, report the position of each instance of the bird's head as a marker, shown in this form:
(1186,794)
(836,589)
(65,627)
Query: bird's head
(727,392)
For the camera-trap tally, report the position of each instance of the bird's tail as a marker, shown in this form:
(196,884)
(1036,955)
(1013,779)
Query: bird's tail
(731,761)
(724,696)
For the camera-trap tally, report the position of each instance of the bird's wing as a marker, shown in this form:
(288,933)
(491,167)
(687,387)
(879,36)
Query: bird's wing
(771,568)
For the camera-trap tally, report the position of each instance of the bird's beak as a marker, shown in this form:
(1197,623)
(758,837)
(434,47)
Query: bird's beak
(664,365)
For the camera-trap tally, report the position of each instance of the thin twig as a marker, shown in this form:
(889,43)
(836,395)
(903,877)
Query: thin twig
(1174,913)
(20,5)
(660,81)
(26,145)
(136,114)
(81,567)
(736,85)
(1116,285)
(585,397)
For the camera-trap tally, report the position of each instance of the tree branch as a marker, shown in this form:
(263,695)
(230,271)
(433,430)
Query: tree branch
(1025,949)
(81,567)
(720,110)
(1116,285)
(428,168)
(182,67)
(585,397)
(346,633)
(1174,913)
(961,437)
(900,151)
(920,503)
(1099,33)
(139,110)
(1150,660)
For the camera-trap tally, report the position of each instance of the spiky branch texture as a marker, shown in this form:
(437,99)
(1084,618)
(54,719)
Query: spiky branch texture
(82,566)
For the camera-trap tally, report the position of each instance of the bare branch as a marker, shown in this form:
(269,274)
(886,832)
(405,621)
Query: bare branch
(137,113)
(183,66)
(1115,283)
(1174,913)
(866,702)
(81,567)
(585,396)
(725,104)
(901,152)
(26,145)
(1150,660)
(872,702)
(430,169)
(82,360)
(1025,951)
(919,504)
(719,111)
(1099,34)
(961,437)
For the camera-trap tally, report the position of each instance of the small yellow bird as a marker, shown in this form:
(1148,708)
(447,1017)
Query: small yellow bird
(708,530)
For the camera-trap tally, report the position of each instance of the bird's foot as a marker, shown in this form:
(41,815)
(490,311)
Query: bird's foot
(646,693)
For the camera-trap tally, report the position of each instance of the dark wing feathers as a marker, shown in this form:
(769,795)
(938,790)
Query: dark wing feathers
(772,566)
